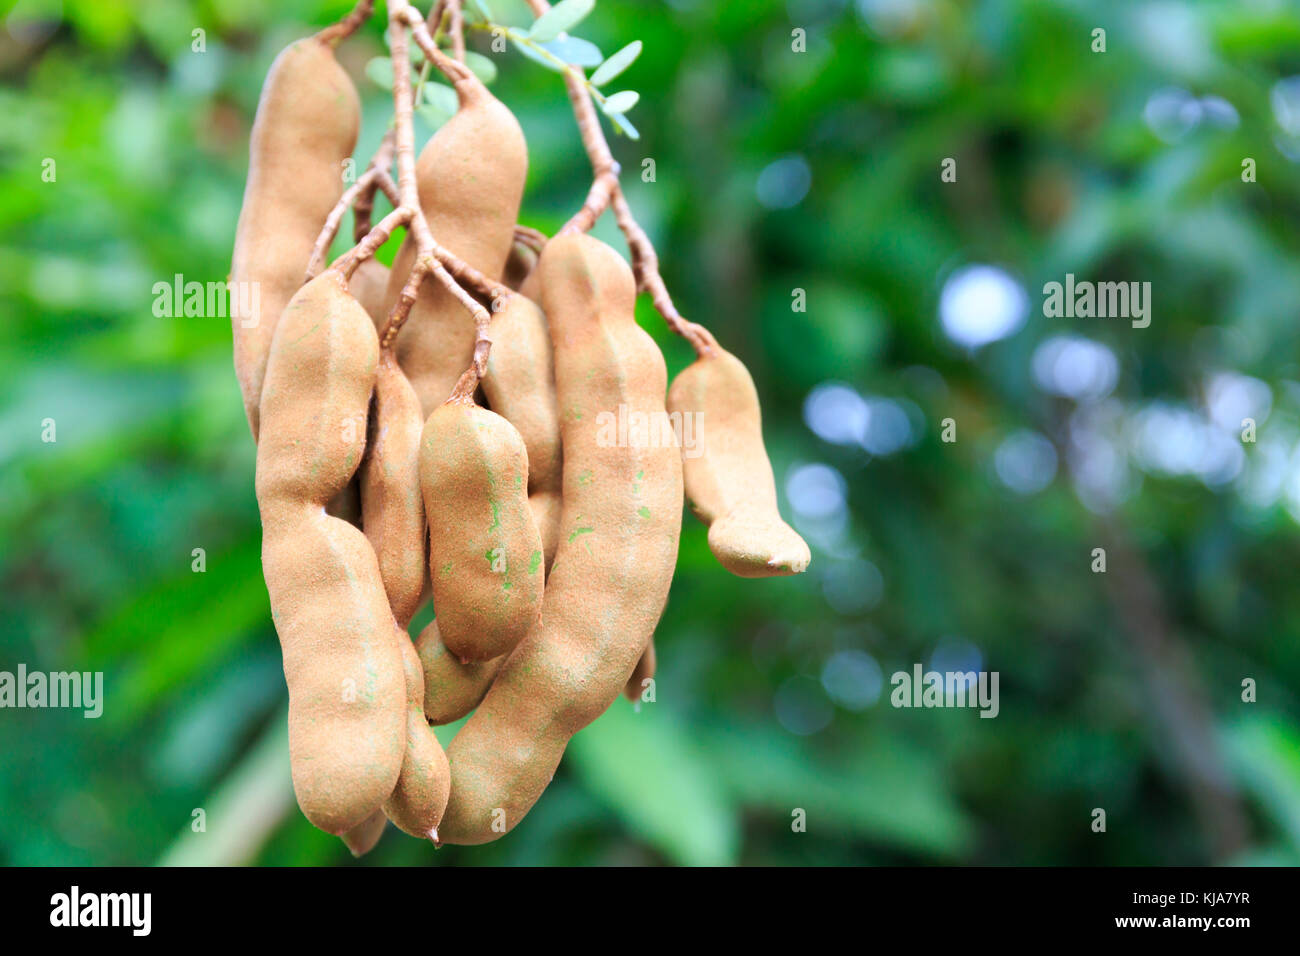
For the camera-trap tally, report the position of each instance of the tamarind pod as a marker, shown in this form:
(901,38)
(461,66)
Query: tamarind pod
(621,521)
(521,261)
(305,128)
(729,481)
(471,180)
(391,507)
(452,688)
(420,797)
(645,670)
(338,638)
(485,552)
(520,386)
(369,285)
(363,838)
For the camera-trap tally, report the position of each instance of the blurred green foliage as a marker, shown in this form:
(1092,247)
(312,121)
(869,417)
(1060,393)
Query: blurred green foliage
(1068,160)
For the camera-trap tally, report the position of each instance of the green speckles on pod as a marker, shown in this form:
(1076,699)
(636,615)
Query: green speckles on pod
(474,479)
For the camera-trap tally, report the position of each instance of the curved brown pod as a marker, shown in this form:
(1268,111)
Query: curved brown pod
(420,797)
(342,662)
(729,480)
(485,552)
(520,386)
(364,837)
(618,547)
(305,129)
(392,508)
(471,180)
(452,687)
(644,671)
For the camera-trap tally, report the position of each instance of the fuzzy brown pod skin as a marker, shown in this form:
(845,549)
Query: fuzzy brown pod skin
(471,181)
(485,552)
(452,687)
(420,797)
(392,508)
(520,386)
(621,521)
(364,837)
(729,481)
(306,127)
(367,286)
(645,670)
(342,662)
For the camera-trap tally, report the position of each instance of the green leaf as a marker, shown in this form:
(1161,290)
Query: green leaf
(616,64)
(441,97)
(576,50)
(884,789)
(380,72)
(620,103)
(434,116)
(536,57)
(1266,753)
(647,768)
(563,16)
(624,126)
(482,66)
(477,11)
(251,802)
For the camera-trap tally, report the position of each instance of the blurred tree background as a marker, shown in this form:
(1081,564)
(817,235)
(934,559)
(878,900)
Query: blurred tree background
(781,178)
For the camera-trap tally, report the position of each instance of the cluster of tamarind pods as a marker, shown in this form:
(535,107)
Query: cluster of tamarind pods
(398,464)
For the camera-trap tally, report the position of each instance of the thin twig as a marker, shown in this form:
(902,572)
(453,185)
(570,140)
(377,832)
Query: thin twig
(482,343)
(375,238)
(364,186)
(457,29)
(336,34)
(434,20)
(431,258)
(605,192)
(534,239)
(405,300)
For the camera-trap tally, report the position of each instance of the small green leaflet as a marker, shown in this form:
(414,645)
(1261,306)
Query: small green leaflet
(616,64)
(620,102)
(481,66)
(624,126)
(561,17)
(433,116)
(575,50)
(441,97)
(536,57)
(477,11)
(380,71)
